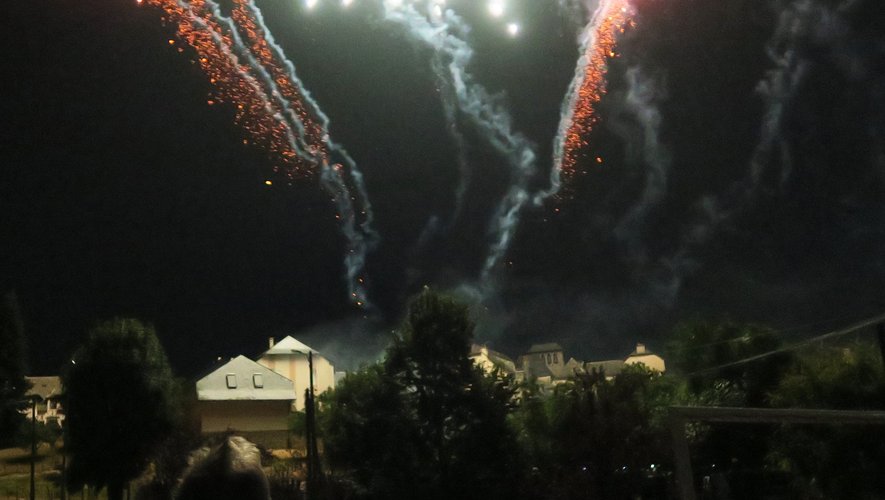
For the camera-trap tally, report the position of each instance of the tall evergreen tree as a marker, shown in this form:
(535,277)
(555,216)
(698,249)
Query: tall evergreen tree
(121,405)
(13,385)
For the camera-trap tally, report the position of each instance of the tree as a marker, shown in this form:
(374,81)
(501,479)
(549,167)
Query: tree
(120,405)
(833,461)
(13,384)
(705,353)
(425,423)
(369,435)
(596,437)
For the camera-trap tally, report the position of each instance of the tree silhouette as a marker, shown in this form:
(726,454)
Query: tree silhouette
(13,385)
(425,423)
(120,405)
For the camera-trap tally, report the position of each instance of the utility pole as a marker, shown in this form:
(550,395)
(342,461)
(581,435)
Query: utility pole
(33,444)
(314,473)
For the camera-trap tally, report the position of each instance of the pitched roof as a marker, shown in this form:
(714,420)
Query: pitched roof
(45,387)
(550,347)
(240,372)
(496,358)
(289,345)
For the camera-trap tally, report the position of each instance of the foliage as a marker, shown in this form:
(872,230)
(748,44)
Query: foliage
(48,433)
(13,385)
(121,404)
(595,436)
(833,461)
(369,435)
(297,423)
(702,352)
(424,423)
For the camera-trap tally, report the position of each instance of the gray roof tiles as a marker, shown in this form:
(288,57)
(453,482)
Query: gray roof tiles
(236,380)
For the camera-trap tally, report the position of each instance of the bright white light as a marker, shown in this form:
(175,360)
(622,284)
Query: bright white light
(437,11)
(310,3)
(394,4)
(496,8)
(346,3)
(513,29)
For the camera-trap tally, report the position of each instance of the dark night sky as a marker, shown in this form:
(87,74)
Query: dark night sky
(123,193)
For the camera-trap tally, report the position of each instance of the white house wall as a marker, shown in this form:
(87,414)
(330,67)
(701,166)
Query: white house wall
(295,367)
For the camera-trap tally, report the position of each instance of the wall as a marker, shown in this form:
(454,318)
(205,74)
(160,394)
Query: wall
(295,368)
(243,415)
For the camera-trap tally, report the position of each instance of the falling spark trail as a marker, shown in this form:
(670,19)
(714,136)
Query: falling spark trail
(438,31)
(337,180)
(249,70)
(579,114)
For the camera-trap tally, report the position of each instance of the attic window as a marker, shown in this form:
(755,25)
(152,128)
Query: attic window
(258,380)
(231,380)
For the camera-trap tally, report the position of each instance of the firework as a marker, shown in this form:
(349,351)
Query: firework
(580,108)
(248,71)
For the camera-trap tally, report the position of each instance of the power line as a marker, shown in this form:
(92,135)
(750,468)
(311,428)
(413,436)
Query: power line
(836,333)
(782,332)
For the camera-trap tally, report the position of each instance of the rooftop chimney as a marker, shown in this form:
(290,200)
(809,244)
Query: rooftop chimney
(640,348)
(270,342)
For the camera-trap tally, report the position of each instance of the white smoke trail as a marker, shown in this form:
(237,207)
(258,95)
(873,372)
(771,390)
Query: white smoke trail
(359,234)
(450,112)
(440,29)
(640,103)
(778,88)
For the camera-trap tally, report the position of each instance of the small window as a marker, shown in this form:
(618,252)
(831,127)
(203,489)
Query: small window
(231,381)
(258,380)
(555,358)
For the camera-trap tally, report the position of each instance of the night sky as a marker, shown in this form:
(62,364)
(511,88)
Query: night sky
(743,176)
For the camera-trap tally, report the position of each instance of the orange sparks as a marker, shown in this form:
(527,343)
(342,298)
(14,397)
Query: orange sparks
(232,82)
(593,87)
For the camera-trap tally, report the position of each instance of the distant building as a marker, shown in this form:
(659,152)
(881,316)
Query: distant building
(642,355)
(288,357)
(546,364)
(490,360)
(48,391)
(248,398)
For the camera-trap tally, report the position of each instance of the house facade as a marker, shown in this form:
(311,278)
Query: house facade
(651,360)
(247,398)
(48,391)
(288,357)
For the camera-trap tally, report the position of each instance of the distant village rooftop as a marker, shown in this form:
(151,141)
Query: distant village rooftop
(287,346)
(244,379)
(549,347)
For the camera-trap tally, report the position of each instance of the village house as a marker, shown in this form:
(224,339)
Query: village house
(288,357)
(48,391)
(490,360)
(651,360)
(248,398)
(546,363)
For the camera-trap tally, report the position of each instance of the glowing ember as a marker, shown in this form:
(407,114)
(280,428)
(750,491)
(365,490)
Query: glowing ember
(249,73)
(615,18)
